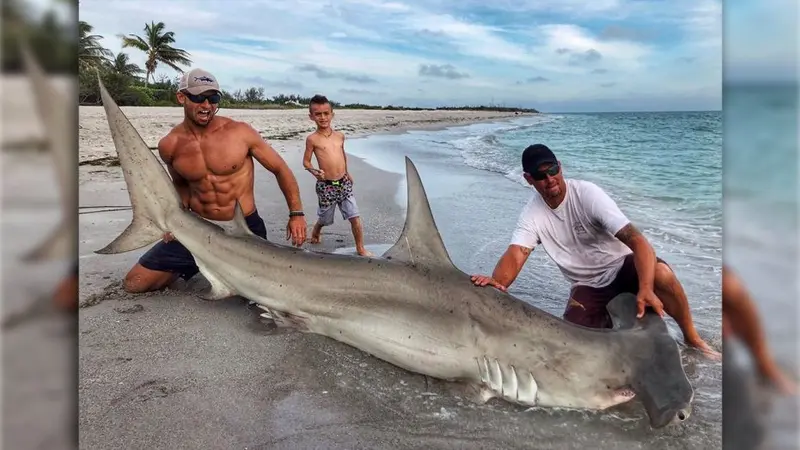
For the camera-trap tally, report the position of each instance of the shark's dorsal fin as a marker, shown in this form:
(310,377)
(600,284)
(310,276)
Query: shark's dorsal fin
(420,243)
(240,227)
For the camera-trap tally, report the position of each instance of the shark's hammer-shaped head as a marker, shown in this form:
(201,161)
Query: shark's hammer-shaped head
(658,378)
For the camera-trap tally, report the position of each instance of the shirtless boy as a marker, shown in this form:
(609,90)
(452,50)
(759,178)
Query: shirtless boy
(334,182)
(210,160)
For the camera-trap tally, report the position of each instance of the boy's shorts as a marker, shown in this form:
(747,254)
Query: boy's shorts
(331,193)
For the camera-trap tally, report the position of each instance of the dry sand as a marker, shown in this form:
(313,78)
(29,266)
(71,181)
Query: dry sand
(274,125)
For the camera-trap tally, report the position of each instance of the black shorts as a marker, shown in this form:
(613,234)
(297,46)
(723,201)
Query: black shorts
(174,257)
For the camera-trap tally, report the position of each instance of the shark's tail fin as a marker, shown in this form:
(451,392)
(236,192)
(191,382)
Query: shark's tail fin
(658,376)
(151,191)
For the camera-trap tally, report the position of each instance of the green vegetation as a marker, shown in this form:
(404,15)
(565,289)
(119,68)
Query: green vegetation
(56,46)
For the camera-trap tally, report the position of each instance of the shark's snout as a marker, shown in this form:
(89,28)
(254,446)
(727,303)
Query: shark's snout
(671,416)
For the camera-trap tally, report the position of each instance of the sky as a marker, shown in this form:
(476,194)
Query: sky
(552,55)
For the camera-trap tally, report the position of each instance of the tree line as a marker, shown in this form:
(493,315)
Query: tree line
(56,44)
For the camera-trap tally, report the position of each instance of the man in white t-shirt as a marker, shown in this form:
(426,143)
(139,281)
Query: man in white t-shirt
(598,250)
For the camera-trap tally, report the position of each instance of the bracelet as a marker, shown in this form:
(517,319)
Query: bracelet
(296,213)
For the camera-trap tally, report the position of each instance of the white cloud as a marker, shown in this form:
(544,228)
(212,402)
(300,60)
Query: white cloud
(350,42)
(619,54)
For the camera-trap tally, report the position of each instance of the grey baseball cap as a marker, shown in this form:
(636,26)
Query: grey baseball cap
(197,81)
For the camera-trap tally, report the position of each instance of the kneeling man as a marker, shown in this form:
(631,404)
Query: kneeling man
(599,251)
(210,159)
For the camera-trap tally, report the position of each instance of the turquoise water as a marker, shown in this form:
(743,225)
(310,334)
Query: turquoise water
(663,169)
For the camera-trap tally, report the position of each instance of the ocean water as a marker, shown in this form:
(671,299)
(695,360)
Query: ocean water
(663,169)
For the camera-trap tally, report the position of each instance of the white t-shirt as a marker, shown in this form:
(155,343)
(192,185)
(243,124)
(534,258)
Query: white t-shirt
(578,235)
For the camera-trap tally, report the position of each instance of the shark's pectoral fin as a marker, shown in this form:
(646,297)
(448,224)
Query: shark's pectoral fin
(420,243)
(139,233)
(218,290)
(240,227)
(283,319)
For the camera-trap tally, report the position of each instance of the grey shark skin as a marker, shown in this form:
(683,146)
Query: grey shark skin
(413,308)
(59,127)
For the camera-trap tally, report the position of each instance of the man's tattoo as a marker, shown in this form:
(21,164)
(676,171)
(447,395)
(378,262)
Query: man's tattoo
(627,233)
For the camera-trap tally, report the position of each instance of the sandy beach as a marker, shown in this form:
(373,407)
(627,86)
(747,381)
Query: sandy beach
(273,125)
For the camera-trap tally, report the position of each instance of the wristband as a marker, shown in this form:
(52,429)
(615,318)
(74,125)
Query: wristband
(296,214)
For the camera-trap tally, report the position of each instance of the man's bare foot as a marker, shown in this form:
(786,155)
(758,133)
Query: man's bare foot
(364,252)
(701,345)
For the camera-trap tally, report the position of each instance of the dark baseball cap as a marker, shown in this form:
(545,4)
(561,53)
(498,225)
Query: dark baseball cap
(535,155)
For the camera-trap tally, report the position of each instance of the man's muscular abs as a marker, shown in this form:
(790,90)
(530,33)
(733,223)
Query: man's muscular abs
(213,169)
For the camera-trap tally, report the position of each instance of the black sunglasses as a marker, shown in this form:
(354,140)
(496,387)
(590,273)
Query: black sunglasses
(540,175)
(200,98)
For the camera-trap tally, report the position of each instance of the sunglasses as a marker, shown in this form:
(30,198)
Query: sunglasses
(540,175)
(212,98)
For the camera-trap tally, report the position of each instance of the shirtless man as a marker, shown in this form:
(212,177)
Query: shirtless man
(334,182)
(210,160)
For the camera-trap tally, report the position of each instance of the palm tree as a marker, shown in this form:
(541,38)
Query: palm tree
(90,53)
(121,65)
(157,46)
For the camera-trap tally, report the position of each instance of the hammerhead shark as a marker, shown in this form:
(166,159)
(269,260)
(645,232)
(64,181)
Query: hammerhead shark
(412,307)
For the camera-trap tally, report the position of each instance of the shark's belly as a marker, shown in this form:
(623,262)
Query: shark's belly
(418,341)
